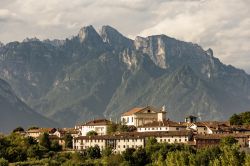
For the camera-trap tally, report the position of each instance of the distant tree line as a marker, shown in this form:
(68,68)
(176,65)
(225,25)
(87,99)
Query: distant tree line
(21,150)
(240,119)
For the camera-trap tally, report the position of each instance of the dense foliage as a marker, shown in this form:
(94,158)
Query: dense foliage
(240,119)
(21,150)
(68,141)
(113,127)
(91,133)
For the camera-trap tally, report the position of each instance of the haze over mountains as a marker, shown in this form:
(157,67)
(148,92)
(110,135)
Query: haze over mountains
(15,113)
(103,74)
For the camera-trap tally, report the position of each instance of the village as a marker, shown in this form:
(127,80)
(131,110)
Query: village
(143,123)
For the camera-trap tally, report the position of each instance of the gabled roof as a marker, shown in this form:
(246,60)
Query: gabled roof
(219,136)
(141,109)
(97,122)
(42,130)
(132,111)
(198,124)
(166,123)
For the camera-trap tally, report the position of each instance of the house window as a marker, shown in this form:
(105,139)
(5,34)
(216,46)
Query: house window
(132,119)
(127,119)
(177,128)
(124,146)
(179,140)
(148,111)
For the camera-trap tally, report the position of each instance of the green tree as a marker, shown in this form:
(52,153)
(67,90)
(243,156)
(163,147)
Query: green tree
(31,141)
(91,133)
(112,128)
(55,146)
(128,155)
(94,152)
(235,120)
(228,141)
(45,141)
(36,151)
(107,151)
(247,160)
(245,116)
(123,128)
(204,156)
(68,141)
(177,158)
(15,154)
(18,129)
(33,128)
(3,162)
(231,156)
(140,157)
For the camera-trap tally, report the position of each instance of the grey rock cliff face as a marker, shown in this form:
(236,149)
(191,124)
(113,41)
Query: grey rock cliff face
(94,75)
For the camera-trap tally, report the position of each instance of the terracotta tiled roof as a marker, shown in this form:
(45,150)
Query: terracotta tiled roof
(132,135)
(97,122)
(166,123)
(132,111)
(138,109)
(41,130)
(219,136)
(200,124)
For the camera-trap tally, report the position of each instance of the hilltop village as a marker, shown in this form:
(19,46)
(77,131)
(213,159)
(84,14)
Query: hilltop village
(138,125)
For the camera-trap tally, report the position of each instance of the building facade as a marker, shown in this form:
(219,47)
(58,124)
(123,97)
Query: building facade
(143,115)
(99,126)
(165,125)
(121,142)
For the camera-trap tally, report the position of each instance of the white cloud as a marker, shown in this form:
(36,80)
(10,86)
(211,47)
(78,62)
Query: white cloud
(223,25)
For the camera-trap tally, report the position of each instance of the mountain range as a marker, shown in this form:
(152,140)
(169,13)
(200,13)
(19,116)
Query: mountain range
(102,74)
(15,113)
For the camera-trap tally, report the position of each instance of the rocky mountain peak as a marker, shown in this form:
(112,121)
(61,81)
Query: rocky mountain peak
(114,38)
(88,33)
(34,39)
(209,52)
(1,44)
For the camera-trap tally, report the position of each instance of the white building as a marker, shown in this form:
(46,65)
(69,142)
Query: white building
(123,141)
(200,128)
(140,116)
(100,126)
(165,125)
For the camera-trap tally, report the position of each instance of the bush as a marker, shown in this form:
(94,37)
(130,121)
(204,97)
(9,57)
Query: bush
(3,162)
